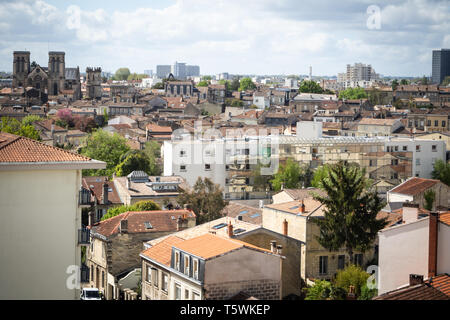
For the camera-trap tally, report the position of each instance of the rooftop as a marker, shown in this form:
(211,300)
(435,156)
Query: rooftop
(414,186)
(313,207)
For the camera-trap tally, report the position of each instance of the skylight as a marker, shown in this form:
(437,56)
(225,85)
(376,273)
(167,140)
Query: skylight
(219,226)
(148,225)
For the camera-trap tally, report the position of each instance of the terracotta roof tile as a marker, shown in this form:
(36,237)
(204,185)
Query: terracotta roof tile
(248,214)
(95,184)
(162,251)
(414,186)
(441,283)
(445,218)
(312,207)
(20,149)
(417,292)
(161,221)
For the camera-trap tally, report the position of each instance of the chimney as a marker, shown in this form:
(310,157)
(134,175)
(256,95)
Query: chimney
(123,226)
(230,230)
(105,192)
(410,212)
(415,279)
(302,208)
(279,249)
(181,224)
(351,293)
(273,246)
(91,217)
(433,244)
(285,227)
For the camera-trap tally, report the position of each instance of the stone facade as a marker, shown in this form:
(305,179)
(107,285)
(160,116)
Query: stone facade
(264,289)
(94,83)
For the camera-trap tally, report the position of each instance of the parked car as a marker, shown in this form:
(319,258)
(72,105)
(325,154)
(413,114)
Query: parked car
(90,294)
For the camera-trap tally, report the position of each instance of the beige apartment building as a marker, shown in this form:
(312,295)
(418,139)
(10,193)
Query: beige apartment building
(209,267)
(40,222)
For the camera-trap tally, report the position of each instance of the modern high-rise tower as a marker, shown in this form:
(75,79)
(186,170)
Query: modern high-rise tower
(441,65)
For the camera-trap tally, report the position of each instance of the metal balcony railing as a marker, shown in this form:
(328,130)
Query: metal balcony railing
(84,236)
(85,197)
(84,273)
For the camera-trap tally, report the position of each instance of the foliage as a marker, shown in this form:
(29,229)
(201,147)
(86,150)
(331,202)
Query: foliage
(135,76)
(246,84)
(319,291)
(122,74)
(30,120)
(429,196)
(85,124)
(138,206)
(105,116)
(158,85)
(350,215)
(394,84)
(260,182)
(424,80)
(234,103)
(234,84)
(352,276)
(205,199)
(320,174)
(441,171)
(207,78)
(152,149)
(446,81)
(100,145)
(13,126)
(353,94)
(404,82)
(309,86)
(290,176)
(135,161)
(64,118)
(203,83)
(367,294)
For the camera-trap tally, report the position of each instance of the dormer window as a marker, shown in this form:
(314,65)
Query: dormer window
(195,268)
(186,265)
(177,260)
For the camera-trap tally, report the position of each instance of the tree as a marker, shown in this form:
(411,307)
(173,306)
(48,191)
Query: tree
(446,81)
(13,126)
(289,176)
(135,161)
(404,82)
(320,174)
(260,182)
(429,196)
(246,84)
(367,294)
(309,86)
(353,94)
(64,117)
(138,206)
(100,145)
(441,171)
(350,214)
(352,276)
(30,120)
(207,78)
(324,290)
(158,85)
(394,84)
(152,150)
(205,199)
(234,103)
(122,74)
(424,80)
(203,83)
(235,84)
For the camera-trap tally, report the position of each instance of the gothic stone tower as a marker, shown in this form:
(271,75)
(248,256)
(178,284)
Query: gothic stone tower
(94,83)
(21,68)
(56,72)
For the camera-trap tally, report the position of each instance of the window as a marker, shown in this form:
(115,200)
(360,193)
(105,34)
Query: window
(323,264)
(182,153)
(417,162)
(155,277)
(177,260)
(405,148)
(195,268)
(418,148)
(434,148)
(186,294)
(372,163)
(165,282)
(358,259)
(196,296)
(429,123)
(341,261)
(394,162)
(103,279)
(149,274)
(186,265)
(177,291)
(396,148)
(207,167)
(183,168)
(436,123)
(443,124)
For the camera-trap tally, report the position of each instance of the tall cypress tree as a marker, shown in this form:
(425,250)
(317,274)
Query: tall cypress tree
(350,214)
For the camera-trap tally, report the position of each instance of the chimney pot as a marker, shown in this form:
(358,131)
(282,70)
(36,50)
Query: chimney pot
(273,245)
(124,226)
(302,208)
(285,227)
(415,279)
(279,249)
(230,230)
(433,244)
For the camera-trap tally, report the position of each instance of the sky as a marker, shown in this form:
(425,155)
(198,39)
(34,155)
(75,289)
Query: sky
(239,37)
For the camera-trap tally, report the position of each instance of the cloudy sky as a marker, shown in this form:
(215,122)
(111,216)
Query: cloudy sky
(235,36)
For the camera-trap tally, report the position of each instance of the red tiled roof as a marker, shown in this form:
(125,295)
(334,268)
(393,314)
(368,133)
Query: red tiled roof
(441,283)
(414,186)
(20,149)
(95,184)
(445,218)
(418,292)
(156,128)
(162,251)
(161,221)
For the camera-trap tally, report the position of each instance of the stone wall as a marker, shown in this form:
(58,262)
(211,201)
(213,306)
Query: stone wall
(261,289)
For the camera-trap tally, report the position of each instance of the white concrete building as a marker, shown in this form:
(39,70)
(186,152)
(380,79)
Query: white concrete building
(418,246)
(40,221)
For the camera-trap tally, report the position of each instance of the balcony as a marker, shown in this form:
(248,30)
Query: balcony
(84,197)
(84,273)
(84,236)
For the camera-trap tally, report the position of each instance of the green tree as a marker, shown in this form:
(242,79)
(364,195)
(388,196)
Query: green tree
(319,291)
(394,84)
(446,81)
(429,196)
(207,78)
(367,294)
(30,120)
(235,84)
(234,103)
(135,161)
(309,86)
(158,85)
(203,83)
(290,176)
(260,182)
(352,276)
(246,84)
(100,145)
(424,80)
(152,150)
(13,126)
(404,82)
(320,174)
(350,214)
(353,94)
(122,74)
(441,171)
(138,206)
(205,199)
